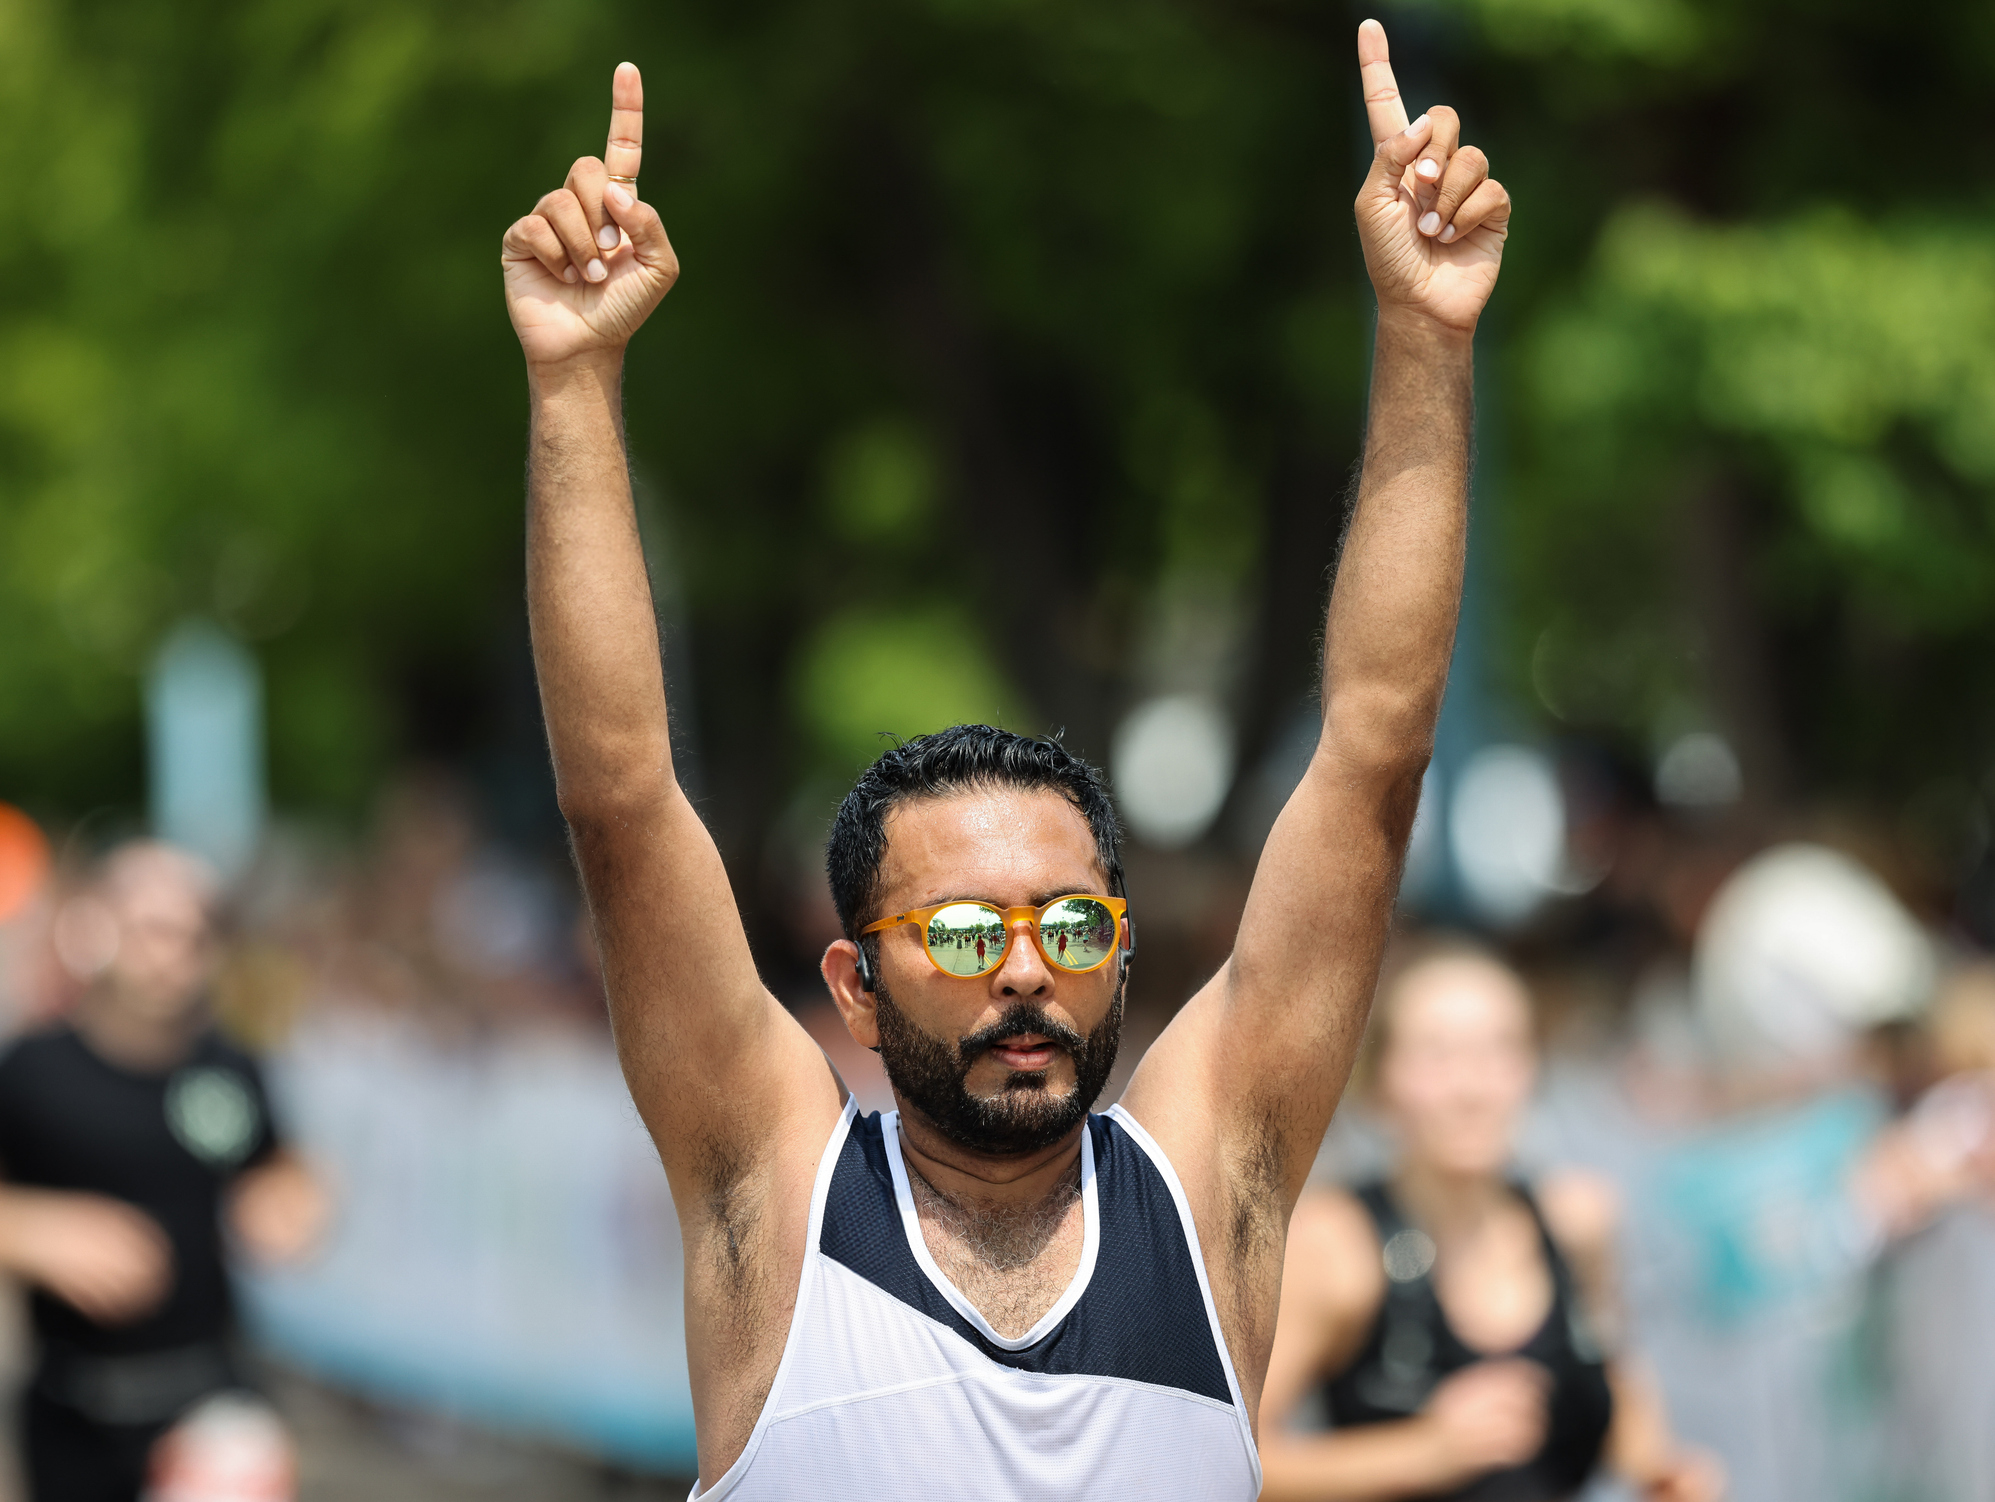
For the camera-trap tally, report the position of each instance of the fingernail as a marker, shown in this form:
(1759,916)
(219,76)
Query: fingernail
(617,196)
(569,274)
(596,273)
(606,237)
(1447,234)
(1417,126)
(1428,168)
(1430,224)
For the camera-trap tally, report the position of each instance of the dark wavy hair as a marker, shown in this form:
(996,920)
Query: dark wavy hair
(959,759)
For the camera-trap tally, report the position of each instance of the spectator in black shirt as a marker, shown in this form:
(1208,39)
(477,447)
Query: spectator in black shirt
(130,1136)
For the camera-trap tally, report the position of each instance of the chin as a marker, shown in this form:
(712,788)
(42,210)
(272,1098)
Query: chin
(162,1006)
(1472,1165)
(1037,1081)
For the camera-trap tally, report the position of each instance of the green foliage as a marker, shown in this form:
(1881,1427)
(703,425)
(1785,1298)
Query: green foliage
(1666,31)
(254,363)
(1856,361)
(1790,323)
(242,372)
(880,483)
(1005,325)
(904,671)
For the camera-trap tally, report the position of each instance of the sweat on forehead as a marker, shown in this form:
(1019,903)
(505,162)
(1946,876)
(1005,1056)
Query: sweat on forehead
(984,841)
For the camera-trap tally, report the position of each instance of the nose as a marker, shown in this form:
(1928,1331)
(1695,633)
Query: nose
(1023,972)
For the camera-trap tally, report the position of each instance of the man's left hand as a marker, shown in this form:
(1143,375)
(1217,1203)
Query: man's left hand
(1432,219)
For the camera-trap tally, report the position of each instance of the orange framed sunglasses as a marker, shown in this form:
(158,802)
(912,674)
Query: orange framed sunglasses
(967,939)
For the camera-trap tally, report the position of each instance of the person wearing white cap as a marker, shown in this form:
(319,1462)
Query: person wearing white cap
(1767,1223)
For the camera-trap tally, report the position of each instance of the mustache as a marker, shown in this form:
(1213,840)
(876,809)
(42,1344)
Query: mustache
(1020,1017)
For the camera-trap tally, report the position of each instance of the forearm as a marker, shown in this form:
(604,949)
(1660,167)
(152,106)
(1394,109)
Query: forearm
(1640,1445)
(18,1211)
(595,638)
(1300,979)
(1367,1463)
(1397,596)
(278,1210)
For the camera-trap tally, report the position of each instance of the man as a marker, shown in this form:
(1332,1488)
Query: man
(990,1292)
(126,1135)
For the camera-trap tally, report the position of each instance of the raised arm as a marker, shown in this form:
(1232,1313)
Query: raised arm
(1248,1073)
(717,1068)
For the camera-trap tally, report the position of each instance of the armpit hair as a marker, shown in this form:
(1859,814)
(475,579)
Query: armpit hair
(1258,1221)
(732,1211)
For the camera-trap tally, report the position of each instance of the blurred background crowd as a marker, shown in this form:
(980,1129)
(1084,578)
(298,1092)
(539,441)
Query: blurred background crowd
(1016,376)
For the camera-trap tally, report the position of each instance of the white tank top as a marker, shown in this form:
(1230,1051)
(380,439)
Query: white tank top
(893,1388)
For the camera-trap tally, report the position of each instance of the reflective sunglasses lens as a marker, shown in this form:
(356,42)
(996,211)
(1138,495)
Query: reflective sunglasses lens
(1078,932)
(966,938)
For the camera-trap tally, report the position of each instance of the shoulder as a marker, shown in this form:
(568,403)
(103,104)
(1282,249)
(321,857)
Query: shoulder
(1333,1251)
(214,1050)
(47,1078)
(214,1047)
(1582,1210)
(30,1055)
(1333,1286)
(42,1042)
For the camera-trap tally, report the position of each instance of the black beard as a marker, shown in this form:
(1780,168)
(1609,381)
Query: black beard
(1023,1116)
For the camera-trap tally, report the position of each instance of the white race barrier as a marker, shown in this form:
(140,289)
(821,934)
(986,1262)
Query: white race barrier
(504,1248)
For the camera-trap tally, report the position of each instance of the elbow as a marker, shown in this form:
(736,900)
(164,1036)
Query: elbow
(609,775)
(1380,734)
(598,804)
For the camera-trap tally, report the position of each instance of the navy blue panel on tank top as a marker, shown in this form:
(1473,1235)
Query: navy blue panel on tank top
(1142,1316)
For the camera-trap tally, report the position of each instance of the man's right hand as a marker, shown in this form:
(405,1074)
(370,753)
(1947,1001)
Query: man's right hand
(1489,1415)
(109,1260)
(587,266)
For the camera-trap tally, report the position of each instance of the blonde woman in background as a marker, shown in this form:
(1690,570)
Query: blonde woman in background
(1459,1323)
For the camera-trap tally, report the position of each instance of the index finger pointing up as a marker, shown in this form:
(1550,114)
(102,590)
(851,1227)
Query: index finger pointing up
(626,148)
(1383,106)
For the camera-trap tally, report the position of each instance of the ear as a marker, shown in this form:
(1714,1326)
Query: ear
(851,991)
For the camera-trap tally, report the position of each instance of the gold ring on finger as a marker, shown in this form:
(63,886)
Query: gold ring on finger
(615,178)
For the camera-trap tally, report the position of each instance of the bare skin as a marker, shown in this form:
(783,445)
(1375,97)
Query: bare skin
(1455,1073)
(1013,1262)
(1240,1087)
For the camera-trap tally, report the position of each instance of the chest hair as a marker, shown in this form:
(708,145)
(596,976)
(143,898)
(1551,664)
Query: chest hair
(1011,1261)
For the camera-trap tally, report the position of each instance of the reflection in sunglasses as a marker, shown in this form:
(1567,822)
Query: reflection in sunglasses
(967,938)
(970,938)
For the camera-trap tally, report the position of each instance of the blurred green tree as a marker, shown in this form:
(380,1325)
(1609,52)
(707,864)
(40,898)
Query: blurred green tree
(1014,337)
(1751,386)
(995,316)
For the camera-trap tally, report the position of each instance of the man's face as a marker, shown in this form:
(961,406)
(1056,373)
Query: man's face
(165,953)
(1008,1062)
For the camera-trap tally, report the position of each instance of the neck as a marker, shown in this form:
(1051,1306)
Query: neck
(1446,1204)
(981,1181)
(128,1037)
